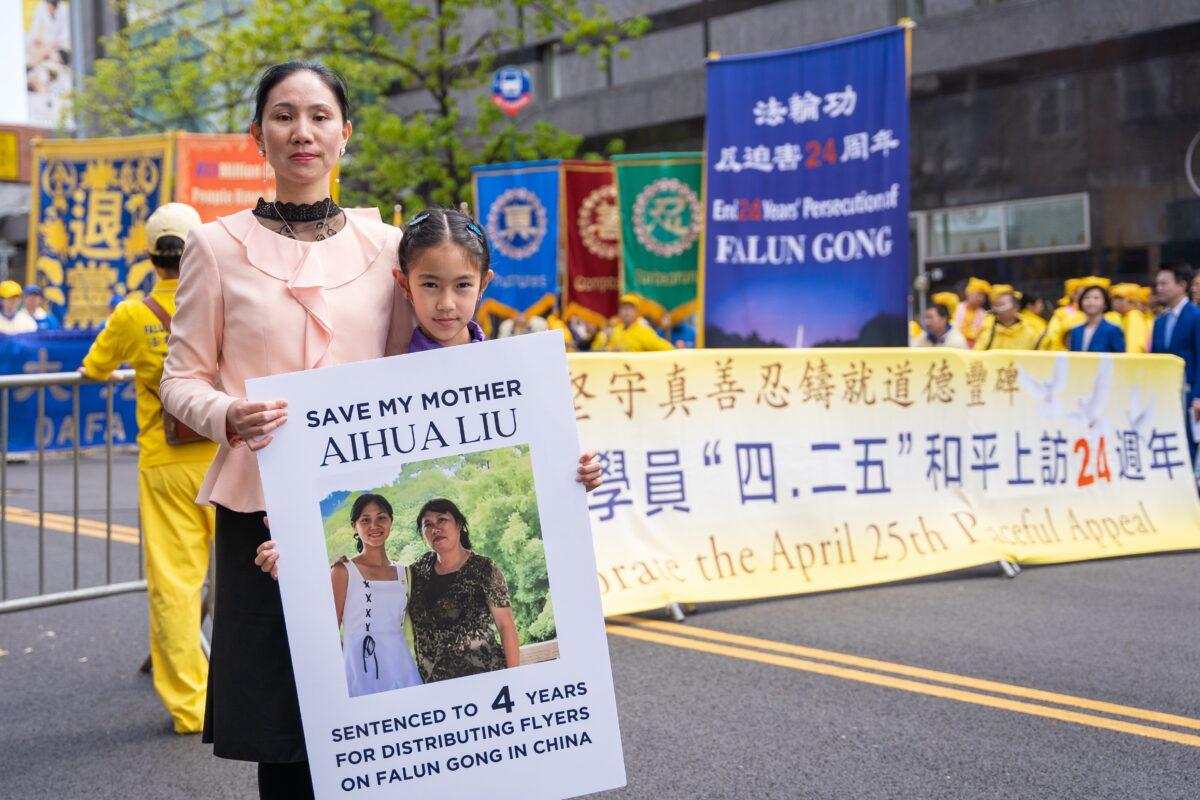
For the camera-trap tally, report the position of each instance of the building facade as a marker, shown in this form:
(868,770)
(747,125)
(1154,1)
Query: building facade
(1086,108)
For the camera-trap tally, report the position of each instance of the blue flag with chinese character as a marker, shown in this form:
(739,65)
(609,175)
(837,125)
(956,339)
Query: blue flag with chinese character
(806,242)
(62,351)
(90,202)
(518,205)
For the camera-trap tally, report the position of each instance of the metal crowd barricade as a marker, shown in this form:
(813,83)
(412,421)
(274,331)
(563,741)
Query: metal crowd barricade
(40,383)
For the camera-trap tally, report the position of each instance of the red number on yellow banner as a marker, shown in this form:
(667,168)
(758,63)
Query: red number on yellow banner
(1085,477)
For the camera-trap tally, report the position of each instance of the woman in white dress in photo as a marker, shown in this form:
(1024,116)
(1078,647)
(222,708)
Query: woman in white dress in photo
(370,593)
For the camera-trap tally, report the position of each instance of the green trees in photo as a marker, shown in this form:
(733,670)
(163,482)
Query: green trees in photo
(494,489)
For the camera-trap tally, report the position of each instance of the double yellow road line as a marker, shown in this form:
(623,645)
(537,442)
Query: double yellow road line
(946,685)
(93,529)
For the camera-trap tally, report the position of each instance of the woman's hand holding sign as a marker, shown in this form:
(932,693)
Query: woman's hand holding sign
(267,558)
(252,423)
(590,470)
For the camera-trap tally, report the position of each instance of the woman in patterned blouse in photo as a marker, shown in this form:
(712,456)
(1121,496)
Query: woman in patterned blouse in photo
(459,602)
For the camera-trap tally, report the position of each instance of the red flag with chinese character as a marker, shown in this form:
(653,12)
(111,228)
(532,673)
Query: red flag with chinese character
(593,240)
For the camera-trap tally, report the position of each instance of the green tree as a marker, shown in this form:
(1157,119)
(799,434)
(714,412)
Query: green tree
(494,490)
(178,68)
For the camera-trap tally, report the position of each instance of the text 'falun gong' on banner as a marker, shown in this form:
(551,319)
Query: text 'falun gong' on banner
(807,196)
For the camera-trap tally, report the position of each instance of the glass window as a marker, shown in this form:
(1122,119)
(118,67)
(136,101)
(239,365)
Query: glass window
(1058,108)
(1054,222)
(965,231)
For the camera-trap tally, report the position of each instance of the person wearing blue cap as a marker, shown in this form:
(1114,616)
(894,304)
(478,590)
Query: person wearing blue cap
(35,304)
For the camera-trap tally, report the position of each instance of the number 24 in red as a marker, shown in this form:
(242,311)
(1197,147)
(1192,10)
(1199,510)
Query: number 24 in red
(816,152)
(1086,478)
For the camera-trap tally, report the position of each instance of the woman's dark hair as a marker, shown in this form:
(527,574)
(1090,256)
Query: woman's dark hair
(434,226)
(360,507)
(274,75)
(441,505)
(1028,300)
(1103,293)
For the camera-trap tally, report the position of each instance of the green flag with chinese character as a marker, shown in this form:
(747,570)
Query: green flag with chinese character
(661,221)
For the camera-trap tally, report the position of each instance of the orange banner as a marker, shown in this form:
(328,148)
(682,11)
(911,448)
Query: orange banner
(220,174)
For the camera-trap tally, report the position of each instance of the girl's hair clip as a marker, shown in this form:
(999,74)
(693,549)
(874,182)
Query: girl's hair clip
(475,229)
(418,219)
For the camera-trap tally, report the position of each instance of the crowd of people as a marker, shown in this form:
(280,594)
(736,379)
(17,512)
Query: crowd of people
(1093,315)
(630,331)
(25,310)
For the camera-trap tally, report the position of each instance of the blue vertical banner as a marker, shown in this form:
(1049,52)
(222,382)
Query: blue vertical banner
(87,221)
(806,194)
(518,204)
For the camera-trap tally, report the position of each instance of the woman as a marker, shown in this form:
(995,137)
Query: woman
(294,284)
(459,602)
(370,593)
(1096,335)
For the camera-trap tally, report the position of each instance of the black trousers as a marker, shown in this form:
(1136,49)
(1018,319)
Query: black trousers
(284,781)
(252,712)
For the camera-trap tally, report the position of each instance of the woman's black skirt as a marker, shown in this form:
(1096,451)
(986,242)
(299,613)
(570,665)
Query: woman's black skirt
(252,712)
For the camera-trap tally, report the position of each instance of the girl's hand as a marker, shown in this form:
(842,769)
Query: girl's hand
(589,471)
(252,423)
(268,558)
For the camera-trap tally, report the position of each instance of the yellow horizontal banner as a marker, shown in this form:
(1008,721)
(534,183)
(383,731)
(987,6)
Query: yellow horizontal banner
(737,474)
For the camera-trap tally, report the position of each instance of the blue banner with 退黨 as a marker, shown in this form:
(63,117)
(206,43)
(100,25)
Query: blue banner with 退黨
(806,240)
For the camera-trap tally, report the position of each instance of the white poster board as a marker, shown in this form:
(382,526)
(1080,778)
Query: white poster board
(492,427)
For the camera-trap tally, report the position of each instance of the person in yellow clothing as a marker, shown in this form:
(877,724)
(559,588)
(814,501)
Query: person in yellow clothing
(1133,323)
(555,323)
(1145,304)
(970,316)
(1006,328)
(631,333)
(178,533)
(1032,308)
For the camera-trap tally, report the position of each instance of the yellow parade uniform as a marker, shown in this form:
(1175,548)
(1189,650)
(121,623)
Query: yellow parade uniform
(970,322)
(1133,321)
(178,533)
(1021,335)
(555,323)
(1055,335)
(1033,320)
(1137,333)
(636,338)
(914,328)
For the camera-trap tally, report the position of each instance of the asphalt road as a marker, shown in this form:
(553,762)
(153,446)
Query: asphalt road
(768,699)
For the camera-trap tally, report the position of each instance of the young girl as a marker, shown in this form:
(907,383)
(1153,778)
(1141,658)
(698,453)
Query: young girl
(444,268)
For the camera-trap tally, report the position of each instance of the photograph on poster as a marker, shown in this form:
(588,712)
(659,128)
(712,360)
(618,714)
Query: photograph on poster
(440,573)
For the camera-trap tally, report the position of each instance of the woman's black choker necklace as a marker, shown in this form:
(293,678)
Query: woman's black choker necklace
(297,212)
